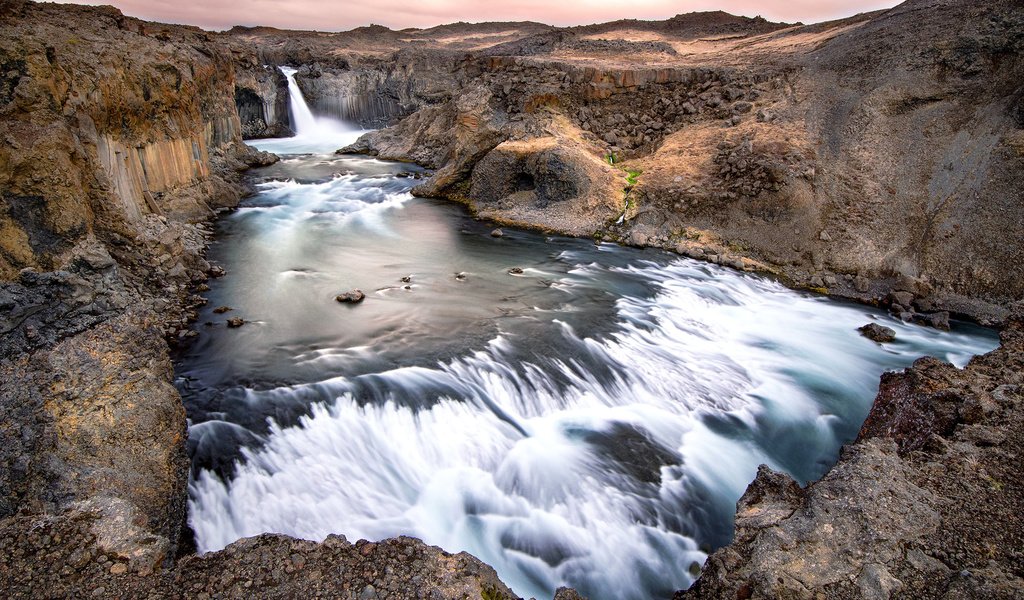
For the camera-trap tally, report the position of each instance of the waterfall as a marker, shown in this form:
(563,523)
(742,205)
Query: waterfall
(318,134)
(302,117)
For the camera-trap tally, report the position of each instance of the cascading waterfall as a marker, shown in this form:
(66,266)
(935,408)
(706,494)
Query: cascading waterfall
(302,117)
(590,421)
(312,133)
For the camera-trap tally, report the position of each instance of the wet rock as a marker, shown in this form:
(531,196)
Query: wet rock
(877,333)
(901,299)
(221,310)
(909,503)
(406,279)
(216,271)
(351,297)
(235,322)
(515,271)
(461,276)
(939,320)
(497,233)
(565,593)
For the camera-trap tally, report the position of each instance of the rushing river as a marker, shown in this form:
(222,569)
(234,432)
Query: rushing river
(590,421)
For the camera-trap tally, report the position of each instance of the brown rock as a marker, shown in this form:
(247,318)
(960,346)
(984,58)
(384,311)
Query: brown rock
(351,297)
(877,333)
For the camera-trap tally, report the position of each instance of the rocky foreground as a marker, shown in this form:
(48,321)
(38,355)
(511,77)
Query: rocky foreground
(878,157)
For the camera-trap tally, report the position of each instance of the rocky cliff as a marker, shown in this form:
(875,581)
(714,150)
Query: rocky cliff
(864,156)
(119,137)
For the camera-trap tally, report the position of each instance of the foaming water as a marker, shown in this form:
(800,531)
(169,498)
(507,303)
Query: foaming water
(590,422)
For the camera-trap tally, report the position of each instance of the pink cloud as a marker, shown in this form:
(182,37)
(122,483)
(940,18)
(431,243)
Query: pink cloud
(397,14)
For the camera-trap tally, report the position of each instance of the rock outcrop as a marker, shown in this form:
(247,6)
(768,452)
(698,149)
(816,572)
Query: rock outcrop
(861,157)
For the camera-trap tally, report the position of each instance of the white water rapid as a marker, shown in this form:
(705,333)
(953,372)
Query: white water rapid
(590,421)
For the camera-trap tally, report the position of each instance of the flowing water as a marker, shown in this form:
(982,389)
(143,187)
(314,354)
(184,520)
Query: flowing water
(590,421)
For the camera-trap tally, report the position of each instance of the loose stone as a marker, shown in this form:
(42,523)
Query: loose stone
(351,297)
(877,333)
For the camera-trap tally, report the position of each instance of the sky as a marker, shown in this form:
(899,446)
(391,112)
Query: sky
(340,15)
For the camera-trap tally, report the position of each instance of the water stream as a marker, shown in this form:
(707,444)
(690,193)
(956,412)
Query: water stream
(590,421)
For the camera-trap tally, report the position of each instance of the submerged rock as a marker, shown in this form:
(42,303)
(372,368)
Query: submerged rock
(878,333)
(515,271)
(221,310)
(351,297)
(235,322)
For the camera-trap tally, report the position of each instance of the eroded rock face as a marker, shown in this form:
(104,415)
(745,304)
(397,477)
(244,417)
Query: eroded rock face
(910,510)
(83,561)
(552,182)
(261,98)
(105,123)
(808,150)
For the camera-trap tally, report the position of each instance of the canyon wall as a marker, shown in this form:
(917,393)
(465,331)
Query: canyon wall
(119,137)
(872,155)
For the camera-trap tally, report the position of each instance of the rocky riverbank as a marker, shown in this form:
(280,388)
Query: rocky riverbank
(925,504)
(861,157)
(876,157)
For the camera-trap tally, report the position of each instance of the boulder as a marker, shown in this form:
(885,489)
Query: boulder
(351,297)
(877,333)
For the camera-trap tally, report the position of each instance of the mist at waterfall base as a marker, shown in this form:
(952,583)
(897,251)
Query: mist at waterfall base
(589,422)
(318,134)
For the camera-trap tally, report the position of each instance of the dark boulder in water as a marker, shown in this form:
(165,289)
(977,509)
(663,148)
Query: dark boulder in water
(878,333)
(236,322)
(351,297)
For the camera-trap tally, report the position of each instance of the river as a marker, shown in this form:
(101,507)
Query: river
(571,413)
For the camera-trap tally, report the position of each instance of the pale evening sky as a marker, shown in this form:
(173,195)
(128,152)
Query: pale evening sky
(338,15)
